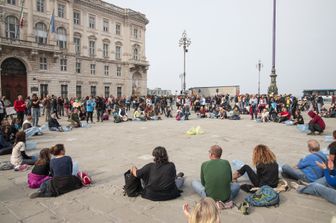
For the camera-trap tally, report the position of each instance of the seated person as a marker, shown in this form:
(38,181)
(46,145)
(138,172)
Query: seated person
(267,169)
(186,111)
(284,115)
(123,113)
(264,115)
(62,180)
(324,187)
(53,124)
(5,146)
(205,211)
(19,156)
(203,112)
(74,119)
(307,170)
(41,170)
(298,119)
(316,124)
(159,178)
(235,114)
(332,111)
(168,112)
(216,178)
(138,115)
(82,113)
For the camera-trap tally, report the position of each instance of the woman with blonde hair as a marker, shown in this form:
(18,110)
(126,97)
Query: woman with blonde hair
(267,169)
(205,211)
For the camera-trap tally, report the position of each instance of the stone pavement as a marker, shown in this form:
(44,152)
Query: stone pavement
(106,150)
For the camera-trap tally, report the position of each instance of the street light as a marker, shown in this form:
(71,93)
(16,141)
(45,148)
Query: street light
(185,43)
(259,66)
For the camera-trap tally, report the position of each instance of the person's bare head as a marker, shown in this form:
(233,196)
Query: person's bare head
(313,145)
(215,152)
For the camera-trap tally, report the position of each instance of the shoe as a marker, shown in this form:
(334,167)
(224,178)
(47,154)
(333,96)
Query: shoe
(303,182)
(35,195)
(180,174)
(311,133)
(294,185)
(244,208)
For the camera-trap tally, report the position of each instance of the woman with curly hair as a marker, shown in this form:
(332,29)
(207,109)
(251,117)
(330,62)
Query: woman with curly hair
(159,177)
(267,169)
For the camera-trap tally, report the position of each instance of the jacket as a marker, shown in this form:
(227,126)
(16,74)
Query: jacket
(309,167)
(316,119)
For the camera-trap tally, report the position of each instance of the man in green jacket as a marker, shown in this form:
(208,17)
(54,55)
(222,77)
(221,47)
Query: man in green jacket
(216,178)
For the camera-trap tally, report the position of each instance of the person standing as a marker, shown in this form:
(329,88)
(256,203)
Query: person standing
(2,110)
(20,108)
(90,105)
(100,106)
(47,108)
(35,109)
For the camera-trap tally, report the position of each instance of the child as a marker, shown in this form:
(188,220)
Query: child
(41,170)
(19,156)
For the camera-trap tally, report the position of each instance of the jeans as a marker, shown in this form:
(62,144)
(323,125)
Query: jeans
(32,131)
(179,181)
(200,189)
(36,115)
(293,173)
(100,115)
(29,161)
(320,190)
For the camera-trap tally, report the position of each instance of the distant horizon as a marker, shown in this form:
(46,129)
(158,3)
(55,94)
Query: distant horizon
(229,37)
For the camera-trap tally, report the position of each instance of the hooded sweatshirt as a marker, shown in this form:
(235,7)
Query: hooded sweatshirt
(316,119)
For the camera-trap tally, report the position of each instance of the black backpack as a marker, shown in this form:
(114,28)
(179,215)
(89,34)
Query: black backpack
(132,187)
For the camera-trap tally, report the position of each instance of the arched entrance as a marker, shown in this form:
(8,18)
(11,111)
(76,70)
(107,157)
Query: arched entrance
(13,78)
(136,88)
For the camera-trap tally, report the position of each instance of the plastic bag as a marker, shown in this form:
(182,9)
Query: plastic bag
(195,131)
(303,128)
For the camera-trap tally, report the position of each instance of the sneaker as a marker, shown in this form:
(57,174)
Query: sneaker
(35,194)
(244,208)
(180,174)
(294,185)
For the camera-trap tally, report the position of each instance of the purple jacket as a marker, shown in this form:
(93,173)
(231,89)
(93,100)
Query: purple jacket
(35,181)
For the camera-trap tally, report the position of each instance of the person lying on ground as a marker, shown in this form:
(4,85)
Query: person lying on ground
(307,170)
(159,177)
(267,169)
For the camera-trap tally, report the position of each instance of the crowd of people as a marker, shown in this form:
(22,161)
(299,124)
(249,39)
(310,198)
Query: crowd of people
(53,172)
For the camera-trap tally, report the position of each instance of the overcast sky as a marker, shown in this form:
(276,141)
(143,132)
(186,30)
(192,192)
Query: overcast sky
(230,36)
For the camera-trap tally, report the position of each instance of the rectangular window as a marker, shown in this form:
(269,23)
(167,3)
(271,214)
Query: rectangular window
(93,91)
(93,69)
(43,63)
(106,70)
(119,91)
(107,91)
(78,91)
(63,63)
(64,90)
(43,90)
(78,67)
(118,71)
(61,10)
(118,29)
(105,49)
(40,5)
(118,53)
(76,17)
(12,2)
(92,46)
(77,45)
(135,33)
(105,25)
(92,22)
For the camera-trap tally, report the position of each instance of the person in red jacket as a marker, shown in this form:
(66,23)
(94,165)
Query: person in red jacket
(20,108)
(316,123)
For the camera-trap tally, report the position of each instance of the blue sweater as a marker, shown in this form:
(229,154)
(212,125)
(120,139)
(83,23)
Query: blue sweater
(331,179)
(60,167)
(309,167)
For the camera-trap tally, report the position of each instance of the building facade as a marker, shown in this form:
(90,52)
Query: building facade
(215,90)
(71,48)
(159,92)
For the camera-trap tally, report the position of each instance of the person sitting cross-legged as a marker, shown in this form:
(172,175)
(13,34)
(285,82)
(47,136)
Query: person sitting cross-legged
(216,178)
(307,170)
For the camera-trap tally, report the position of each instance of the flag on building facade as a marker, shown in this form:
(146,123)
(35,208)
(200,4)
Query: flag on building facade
(52,22)
(21,13)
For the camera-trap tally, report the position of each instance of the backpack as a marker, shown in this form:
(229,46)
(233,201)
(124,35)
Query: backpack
(265,196)
(132,187)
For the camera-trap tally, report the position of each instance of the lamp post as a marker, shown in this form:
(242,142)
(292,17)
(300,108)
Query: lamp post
(273,89)
(185,43)
(259,66)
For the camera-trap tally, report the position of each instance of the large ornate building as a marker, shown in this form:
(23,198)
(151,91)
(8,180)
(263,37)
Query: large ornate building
(71,48)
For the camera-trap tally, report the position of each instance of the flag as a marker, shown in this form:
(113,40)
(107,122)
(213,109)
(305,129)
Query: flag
(52,22)
(21,14)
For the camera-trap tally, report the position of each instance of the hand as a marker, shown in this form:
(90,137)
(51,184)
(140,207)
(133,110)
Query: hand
(330,164)
(133,170)
(321,165)
(186,210)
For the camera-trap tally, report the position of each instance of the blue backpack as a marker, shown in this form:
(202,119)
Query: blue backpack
(265,196)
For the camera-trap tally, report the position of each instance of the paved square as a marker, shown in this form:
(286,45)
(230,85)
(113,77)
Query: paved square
(107,149)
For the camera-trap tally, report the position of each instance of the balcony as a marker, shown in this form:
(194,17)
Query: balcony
(139,62)
(28,45)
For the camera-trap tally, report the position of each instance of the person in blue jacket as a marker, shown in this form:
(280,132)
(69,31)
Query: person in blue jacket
(326,186)
(90,105)
(307,170)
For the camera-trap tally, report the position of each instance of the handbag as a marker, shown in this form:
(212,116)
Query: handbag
(132,187)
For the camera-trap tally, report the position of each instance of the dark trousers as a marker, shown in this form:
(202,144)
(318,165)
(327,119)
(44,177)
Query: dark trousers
(313,127)
(20,116)
(251,174)
(89,115)
(100,115)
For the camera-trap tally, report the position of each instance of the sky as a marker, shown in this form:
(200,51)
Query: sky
(228,37)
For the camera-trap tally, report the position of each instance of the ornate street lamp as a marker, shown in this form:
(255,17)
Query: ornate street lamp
(259,66)
(185,43)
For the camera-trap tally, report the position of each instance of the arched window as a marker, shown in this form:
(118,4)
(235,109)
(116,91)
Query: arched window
(41,33)
(12,27)
(61,38)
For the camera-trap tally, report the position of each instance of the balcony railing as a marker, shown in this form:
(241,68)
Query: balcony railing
(28,44)
(139,62)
